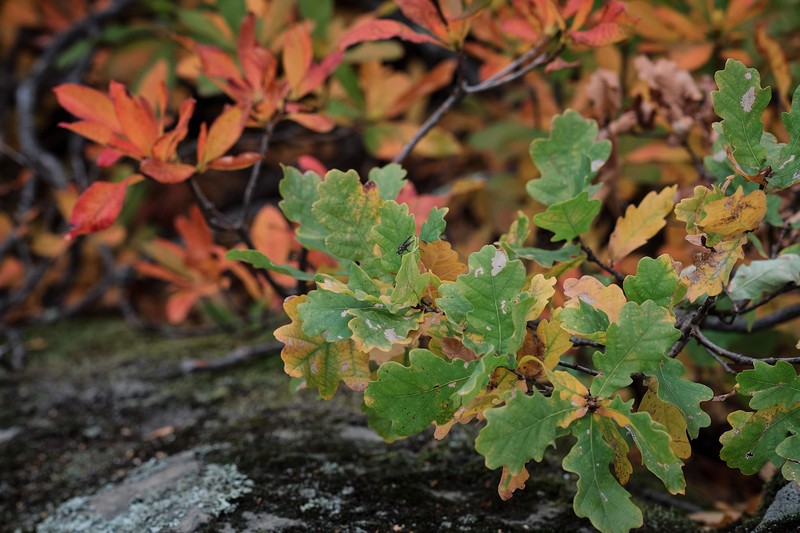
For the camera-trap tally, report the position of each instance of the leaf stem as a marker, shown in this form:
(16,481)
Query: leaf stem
(737,357)
(590,255)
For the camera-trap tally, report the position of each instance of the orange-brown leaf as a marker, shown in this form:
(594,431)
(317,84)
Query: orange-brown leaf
(640,223)
(136,119)
(509,483)
(733,216)
(222,135)
(97,207)
(710,271)
(235,162)
(425,14)
(608,299)
(440,259)
(312,121)
(297,55)
(773,51)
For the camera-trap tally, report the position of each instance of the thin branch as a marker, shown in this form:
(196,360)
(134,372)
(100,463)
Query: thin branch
(590,255)
(699,166)
(255,173)
(578,341)
(579,368)
(740,326)
(703,341)
(687,322)
(234,357)
(513,71)
(789,287)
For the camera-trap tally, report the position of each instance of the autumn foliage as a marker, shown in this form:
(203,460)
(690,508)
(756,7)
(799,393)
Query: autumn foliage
(541,217)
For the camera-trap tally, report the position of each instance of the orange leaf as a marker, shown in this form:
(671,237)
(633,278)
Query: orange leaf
(590,290)
(377,30)
(425,14)
(273,237)
(165,172)
(222,135)
(153,87)
(640,223)
(317,74)
(94,131)
(135,118)
(297,55)
(87,104)
(614,26)
(165,147)
(509,483)
(773,51)
(216,63)
(97,207)
(309,162)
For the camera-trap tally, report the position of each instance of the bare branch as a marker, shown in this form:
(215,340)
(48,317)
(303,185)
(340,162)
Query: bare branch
(740,326)
(590,255)
(703,341)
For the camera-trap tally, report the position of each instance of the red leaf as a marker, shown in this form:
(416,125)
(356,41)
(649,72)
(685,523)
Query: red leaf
(377,30)
(165,147)
(87,104)
(97,207)
(94,131)
(165,172)
(222,135)
(317,74)
(235,162)
(108,156)
(297,55)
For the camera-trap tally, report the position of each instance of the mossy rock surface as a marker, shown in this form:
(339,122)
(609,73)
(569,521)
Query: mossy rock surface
(98,401)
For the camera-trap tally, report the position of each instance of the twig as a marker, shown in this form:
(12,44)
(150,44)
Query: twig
(740,326)
(687,322)
(513,71)
(255,172)
(579,368)
(579,341)
(789,287)
(234,357)
(697,161)
(703,341)
(590,255)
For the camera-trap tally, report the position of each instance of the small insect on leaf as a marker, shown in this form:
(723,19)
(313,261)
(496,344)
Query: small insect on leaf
(403,248)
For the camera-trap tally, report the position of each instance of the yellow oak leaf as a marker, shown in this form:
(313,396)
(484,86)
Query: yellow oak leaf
(569,388)
(555,339)
(669,416)
(621,466)
(509,483)
(690,210)
(321,363)
(608,299)
(640,223)
(541,288)
(711,270)
(735,215)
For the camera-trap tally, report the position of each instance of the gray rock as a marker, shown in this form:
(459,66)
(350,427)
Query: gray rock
(785,506)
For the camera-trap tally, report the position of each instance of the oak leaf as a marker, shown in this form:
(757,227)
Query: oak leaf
(640,223)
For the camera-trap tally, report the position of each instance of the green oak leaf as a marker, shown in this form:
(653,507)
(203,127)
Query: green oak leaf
(547,258)
(569,219)
(348,213)
(756,435)
(586,321)
(789,449)
(600,498)
(762,276)
(482,301)
(259,260)
(433,227)
(653,442)
(410,283)
(639,343)
(323,364)
(328,313)
(684,394)
(656,280)
(786,170)
(770,386)
(414,396)
(740,101)
(394,235)
(522,430)
(377,327)
(481,375)
(363,287)
(389,179)
(568,159)
(299,192)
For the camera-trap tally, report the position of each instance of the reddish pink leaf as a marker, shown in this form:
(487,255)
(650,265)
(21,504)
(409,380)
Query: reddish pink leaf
(97,207)
(87,104)
(165,147)
(297,55)
(108,156)
(309,162)
(420,205)
(317,74)
(180,303)
(165,172)
(153,88)
(235,162)
(94,131)
(377,30)
(216,63)
(313,121)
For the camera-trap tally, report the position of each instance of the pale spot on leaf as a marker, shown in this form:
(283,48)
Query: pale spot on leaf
(748,99)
